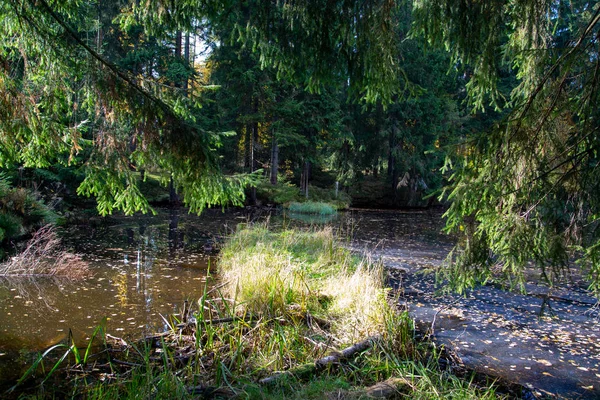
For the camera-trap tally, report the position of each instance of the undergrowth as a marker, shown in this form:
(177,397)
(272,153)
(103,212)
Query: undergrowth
(21,213)
(291,315)
(285,193)
(43,256)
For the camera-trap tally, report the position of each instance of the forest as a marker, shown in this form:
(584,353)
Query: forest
(475,119)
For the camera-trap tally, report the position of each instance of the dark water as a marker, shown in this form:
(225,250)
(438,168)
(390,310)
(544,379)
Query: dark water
(147,266)
(547,340)
(142,267)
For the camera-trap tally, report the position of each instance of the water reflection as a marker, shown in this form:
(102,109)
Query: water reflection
(311,218)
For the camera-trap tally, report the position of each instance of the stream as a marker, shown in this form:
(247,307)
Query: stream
(145,267)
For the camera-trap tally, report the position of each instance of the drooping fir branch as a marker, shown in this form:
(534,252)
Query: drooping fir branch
(117,110)
(125,77)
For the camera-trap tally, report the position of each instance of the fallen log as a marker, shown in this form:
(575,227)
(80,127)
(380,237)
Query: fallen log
(322,363)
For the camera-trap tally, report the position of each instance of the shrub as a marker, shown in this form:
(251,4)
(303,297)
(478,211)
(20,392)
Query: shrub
(42,256)
(21,211)
(281,193)
(317,194)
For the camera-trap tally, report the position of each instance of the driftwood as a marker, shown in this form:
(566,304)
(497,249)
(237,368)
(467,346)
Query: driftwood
(390,389)
(325,362)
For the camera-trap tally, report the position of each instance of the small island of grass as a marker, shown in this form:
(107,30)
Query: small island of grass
(312,207)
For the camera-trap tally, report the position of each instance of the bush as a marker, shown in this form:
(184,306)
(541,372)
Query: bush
(317,194)
(21,211)
(43,256)
(281,193)
(285,193)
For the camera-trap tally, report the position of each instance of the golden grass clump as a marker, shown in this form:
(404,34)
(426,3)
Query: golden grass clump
(359,301)
(43,256)
(274,274)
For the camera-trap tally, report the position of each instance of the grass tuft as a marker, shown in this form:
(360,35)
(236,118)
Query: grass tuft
(312,207)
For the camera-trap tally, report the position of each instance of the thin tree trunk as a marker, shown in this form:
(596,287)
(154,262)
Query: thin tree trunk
(247,147)
(274,160)
(305,178)
(254,137)
(186,56)
(376,168)
(391,160)
(173,196)
(178,42)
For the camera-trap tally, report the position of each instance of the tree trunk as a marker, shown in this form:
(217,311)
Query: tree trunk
(178,41)
(253,136)
(274,160)
(186,56)
(391,160)
(173,196)
(253,146)
(304,178)
(247,147)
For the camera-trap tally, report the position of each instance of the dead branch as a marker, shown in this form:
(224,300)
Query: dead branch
(322,363)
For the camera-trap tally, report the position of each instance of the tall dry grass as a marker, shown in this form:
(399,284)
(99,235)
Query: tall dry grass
(292,271)
(43,256)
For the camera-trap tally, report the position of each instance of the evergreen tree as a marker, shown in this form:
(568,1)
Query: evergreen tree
(526,190)
(69,80)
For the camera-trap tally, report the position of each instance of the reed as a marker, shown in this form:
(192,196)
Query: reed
(43,256)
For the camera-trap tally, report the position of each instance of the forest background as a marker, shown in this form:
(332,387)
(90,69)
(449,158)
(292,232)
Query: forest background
(489,107)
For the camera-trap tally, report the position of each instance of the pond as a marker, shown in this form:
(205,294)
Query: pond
(145,267)
(547,340)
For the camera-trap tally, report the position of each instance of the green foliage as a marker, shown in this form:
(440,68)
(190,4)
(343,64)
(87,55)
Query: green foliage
(403,145)
(65,96)
(21,212)
(526,189)
(339,201)
(281,193)
(331,39)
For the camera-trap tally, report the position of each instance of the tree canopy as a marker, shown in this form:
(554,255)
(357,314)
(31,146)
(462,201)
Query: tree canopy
(66,89)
